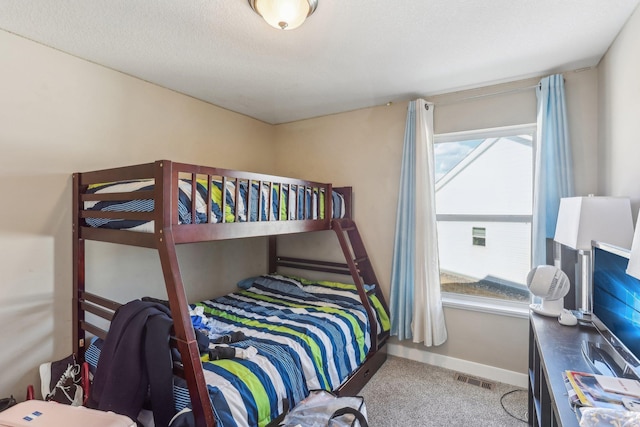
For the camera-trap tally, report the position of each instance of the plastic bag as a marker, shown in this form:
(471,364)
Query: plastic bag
(323,409)
(603,417)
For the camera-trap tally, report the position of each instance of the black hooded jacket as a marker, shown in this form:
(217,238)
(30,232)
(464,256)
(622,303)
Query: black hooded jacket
(135,360)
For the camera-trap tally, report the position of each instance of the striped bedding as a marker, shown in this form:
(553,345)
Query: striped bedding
(307,203)
(307,334)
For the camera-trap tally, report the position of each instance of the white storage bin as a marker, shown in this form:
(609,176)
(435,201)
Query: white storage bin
(32,413)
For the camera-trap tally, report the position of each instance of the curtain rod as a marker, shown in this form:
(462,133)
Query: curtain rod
(483,95)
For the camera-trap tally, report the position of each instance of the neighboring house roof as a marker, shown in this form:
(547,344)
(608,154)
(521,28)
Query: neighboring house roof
(496,177)
(462,165)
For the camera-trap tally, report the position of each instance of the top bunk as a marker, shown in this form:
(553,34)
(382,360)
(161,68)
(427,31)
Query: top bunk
(141,205)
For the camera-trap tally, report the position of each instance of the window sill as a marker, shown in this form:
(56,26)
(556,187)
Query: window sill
(485,305)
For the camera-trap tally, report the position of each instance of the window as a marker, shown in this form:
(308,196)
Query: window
(484,185)
(479,236)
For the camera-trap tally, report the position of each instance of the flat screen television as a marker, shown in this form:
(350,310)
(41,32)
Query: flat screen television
(616,313)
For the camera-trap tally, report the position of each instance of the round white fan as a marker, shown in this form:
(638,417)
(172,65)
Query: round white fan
(551,285)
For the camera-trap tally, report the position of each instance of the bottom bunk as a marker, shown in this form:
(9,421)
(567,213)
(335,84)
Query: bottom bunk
(264,347)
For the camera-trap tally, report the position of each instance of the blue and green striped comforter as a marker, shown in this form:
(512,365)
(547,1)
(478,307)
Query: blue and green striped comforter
(308,335)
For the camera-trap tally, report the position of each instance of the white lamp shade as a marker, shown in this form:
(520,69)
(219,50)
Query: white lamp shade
(633,268)
(604,219)
(283,14)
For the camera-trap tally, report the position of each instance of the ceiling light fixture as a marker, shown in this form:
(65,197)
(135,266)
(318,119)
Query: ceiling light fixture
(284,14)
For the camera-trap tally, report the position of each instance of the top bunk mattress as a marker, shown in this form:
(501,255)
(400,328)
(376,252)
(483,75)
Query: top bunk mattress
(276,202)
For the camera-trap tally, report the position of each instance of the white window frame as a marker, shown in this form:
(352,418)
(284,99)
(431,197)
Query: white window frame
(476,303)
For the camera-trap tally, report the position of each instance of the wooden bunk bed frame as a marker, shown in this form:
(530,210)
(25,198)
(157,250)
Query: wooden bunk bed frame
(168,232)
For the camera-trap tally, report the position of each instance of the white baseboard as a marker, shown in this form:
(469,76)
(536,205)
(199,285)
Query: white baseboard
(470,368)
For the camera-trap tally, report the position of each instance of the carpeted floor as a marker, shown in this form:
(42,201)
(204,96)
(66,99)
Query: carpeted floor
(408,393)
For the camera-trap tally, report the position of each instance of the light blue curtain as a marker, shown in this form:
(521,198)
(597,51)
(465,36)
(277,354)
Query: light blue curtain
(402,274)
(553,176)
(416,306)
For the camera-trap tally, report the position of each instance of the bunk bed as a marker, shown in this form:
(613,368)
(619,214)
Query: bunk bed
(163,204)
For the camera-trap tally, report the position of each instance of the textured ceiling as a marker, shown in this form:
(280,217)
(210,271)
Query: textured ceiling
(349,54)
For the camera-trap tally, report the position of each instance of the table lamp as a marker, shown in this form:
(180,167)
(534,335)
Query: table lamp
(583,219)
(633,268)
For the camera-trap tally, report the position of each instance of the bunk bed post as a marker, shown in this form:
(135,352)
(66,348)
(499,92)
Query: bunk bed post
(273,255)
(77,315)
(166,187)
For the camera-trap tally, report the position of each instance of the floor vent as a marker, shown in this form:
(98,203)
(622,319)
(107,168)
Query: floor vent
(475,381)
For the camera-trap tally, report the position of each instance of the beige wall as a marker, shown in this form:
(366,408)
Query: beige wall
(363,148)
(360,149)
(58,115)
(619,116)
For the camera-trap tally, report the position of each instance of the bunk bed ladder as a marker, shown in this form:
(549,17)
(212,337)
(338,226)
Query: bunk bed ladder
(361,269)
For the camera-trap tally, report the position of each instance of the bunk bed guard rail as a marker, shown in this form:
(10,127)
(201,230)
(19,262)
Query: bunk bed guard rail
(211,209)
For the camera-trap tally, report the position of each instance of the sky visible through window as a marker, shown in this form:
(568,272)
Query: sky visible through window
(449,154)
